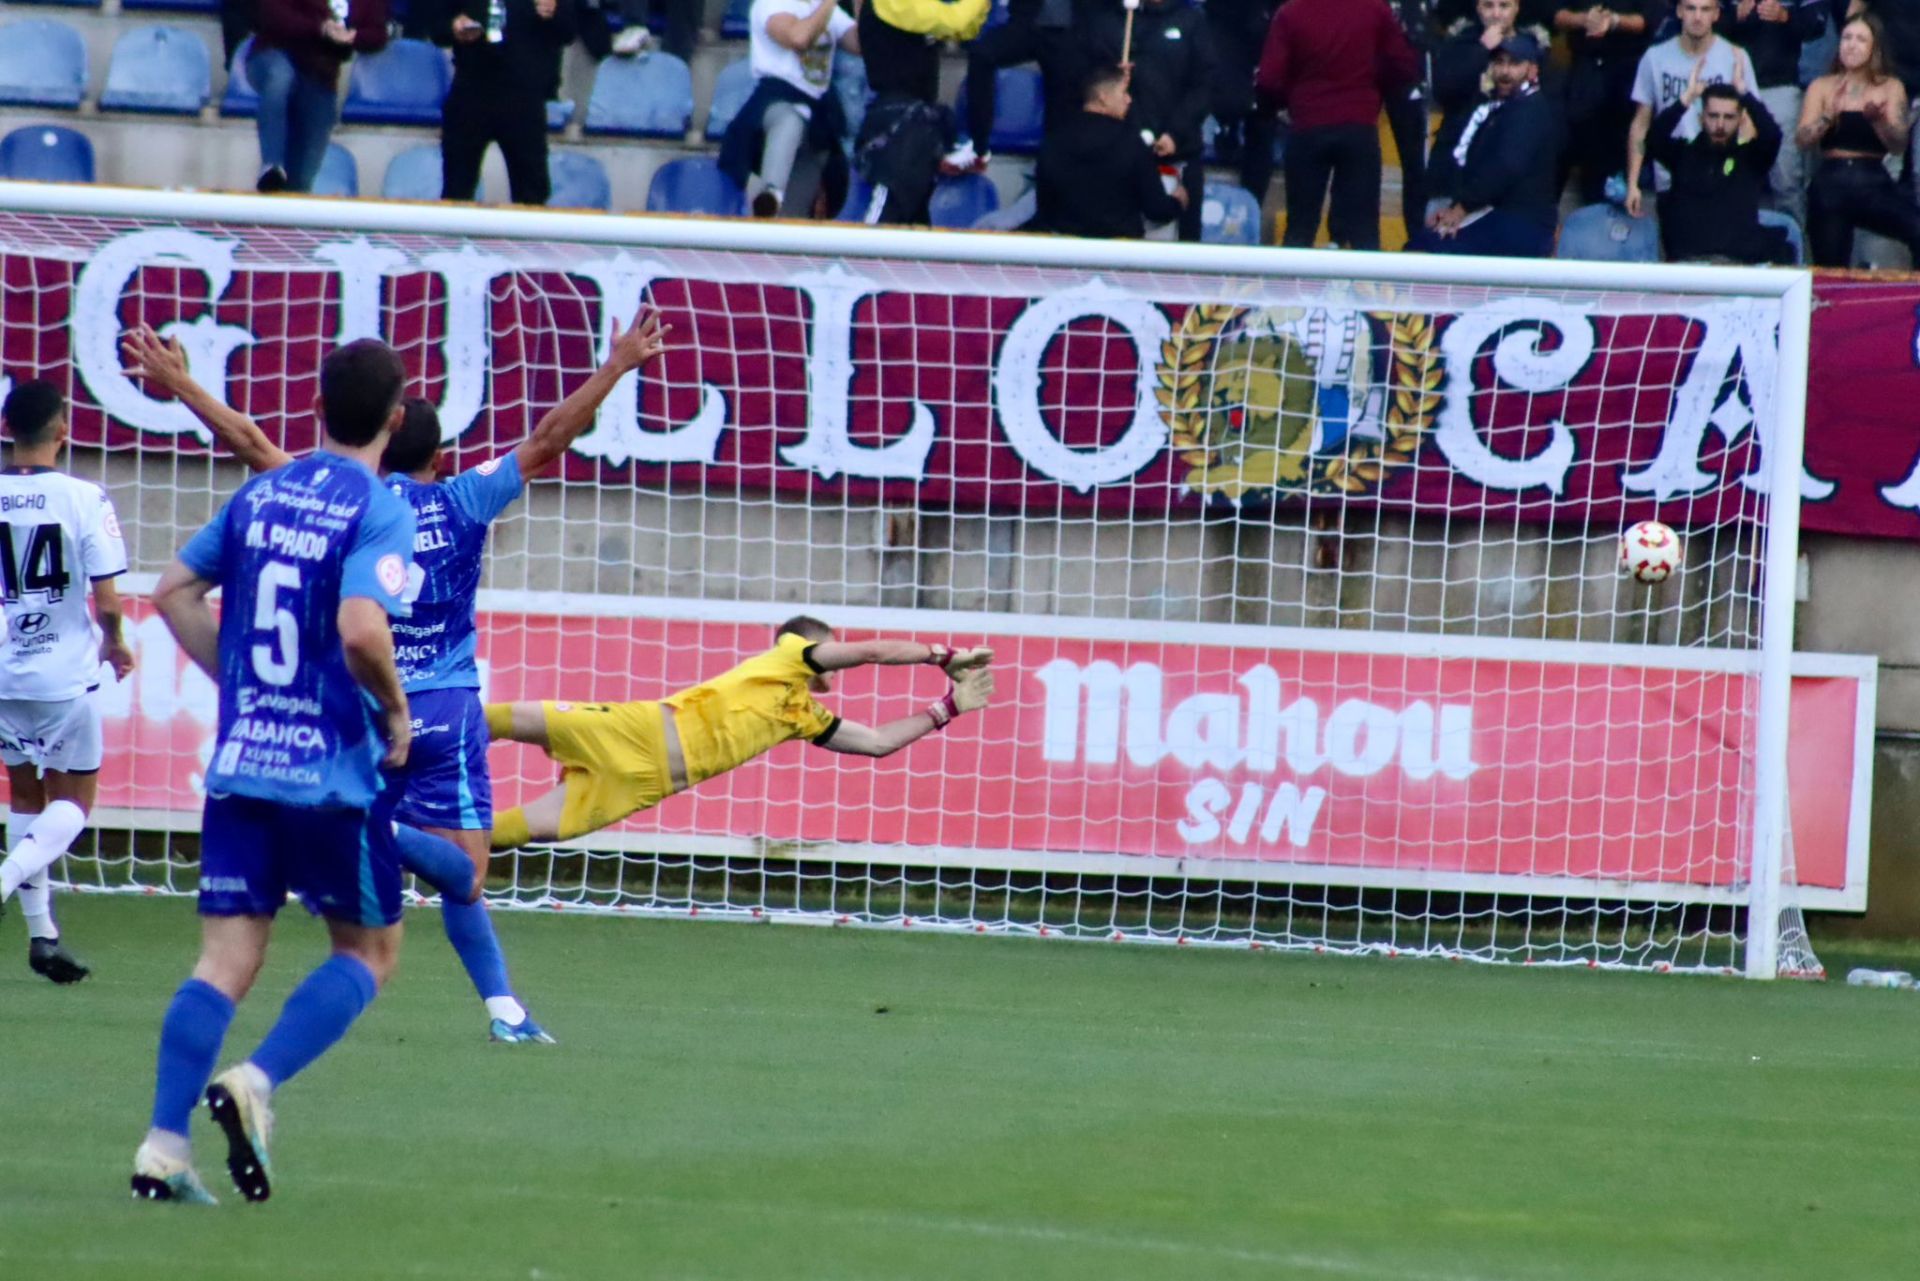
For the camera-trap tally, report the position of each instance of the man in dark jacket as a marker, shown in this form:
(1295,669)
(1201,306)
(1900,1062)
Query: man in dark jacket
(1096,177)
(1172,87)
(1499,174)
(907,128)
(506,64)
(1712,208)
(1329,64)
(1042,31)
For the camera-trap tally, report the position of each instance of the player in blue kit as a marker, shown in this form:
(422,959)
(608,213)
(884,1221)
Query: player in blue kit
(448,792)
(311,562)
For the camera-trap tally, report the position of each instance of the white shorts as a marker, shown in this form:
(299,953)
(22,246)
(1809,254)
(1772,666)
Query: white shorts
(57,736)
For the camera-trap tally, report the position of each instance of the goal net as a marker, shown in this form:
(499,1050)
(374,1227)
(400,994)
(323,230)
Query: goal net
(1301,569)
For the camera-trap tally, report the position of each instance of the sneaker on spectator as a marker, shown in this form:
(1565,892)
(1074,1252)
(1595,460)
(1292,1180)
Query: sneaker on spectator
(963,159)
(767,204)
(273,178)
(632,41)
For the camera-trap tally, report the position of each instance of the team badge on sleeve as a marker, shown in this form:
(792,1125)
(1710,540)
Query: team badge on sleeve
(489,467)
(112,524)
(392,573)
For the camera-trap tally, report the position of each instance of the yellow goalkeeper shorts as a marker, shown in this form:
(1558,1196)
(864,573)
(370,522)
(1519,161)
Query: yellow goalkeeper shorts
(613,758)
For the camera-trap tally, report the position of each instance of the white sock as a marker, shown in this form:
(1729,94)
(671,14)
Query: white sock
(48,836)
(506,1009)
(36,904)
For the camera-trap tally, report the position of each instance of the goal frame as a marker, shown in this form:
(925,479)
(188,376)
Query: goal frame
(1772,662)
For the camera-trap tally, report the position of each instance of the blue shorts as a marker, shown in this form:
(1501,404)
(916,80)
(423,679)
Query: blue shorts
(342,863)
(447,784)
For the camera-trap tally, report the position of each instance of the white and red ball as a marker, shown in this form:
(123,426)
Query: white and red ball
(1650,551)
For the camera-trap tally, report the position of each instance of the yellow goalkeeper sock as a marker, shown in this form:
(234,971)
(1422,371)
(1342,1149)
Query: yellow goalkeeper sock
(499,721)
(510,830)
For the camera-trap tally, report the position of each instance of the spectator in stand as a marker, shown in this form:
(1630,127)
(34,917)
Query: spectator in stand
(294,65)
(633,38)
(907,129)
(506,64)
(1329,64)
(1246,134)
(236,24)
(1900,26)
(1605,44)
(1096,175)
(1409,117)
(1712,210)
(1666,69)
(1498,177)
(1449,14)
(792,107)
(1172,87)
(1857,117)
(1462,63)
(1042,31)
(1772,32)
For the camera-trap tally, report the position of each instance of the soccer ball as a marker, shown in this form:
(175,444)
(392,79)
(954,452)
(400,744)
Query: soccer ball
(1650,552)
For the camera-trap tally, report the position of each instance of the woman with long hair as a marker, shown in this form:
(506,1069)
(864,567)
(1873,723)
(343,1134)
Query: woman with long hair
(1857,115)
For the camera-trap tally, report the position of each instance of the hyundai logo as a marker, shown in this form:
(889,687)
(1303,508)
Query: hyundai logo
(28,624)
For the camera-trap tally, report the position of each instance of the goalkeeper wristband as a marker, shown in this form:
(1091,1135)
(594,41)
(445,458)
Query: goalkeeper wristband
(939,655)
(943,712)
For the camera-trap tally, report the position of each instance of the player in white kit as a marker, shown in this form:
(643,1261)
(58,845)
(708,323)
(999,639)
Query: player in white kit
(58,537)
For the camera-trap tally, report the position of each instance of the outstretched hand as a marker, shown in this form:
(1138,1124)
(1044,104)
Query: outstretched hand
(965,660)
(972,688)
(162,362)
(645,341)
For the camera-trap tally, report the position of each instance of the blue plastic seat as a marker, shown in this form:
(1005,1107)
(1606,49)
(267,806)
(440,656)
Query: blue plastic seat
(1019,110)
(178,6)
(735,24)
(403,84)
(240,100)
(731,89)
(159,69)
(1608,233)
(414,174)
(859,197)
(693,184)
(43,63)
(963,201)
(559,114)
(1229,215)
(339,173)
(1779,218)
(66,4)
(650,97)
(46,153)
(578,181)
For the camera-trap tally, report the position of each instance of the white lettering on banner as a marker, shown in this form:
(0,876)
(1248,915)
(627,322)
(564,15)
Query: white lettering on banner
(1360,738)
(362,267)
(1016,386)
(95,325)
(1738,349)
(1522,360)
(1291,813)
(468,275)
(617,436)
(828,450)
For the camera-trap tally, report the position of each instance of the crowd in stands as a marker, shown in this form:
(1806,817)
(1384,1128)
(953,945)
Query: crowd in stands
(1754,131)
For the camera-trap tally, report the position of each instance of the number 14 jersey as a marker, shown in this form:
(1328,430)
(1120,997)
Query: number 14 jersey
(58,535)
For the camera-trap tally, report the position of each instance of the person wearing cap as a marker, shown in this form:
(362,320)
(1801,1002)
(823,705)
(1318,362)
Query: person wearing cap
(1498,174)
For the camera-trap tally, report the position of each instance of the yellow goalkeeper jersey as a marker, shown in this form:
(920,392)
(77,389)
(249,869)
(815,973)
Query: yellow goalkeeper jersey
(739,714)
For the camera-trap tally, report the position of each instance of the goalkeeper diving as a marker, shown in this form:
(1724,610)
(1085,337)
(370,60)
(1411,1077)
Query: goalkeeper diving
(617,759)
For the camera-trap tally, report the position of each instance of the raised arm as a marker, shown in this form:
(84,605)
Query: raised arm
(164,365)
(799,34)
(108,613)
(834,656)
(567,421)
(181,598)
(970,692)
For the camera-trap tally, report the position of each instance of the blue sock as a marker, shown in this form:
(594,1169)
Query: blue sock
(318,1013)
(470,930)
(435,860)
(190,1039)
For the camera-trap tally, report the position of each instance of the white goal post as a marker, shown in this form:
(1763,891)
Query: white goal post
(1300,565)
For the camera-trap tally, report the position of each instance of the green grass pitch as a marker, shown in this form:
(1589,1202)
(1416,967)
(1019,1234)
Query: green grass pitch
(732,1102)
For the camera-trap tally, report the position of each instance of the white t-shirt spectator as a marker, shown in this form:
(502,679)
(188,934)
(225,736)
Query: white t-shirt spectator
(811,72)
(1665,71)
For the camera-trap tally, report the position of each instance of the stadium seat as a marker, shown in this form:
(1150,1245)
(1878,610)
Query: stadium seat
(1608,233)
(158,69)
(963,201)
(731,89)
(240,100)
(178,6)
(43,63)
(734,24)
(850,82)
(339,173)
(559,114)
(414,174)
(650,97)
(46,153)
(1019,111)
(1229,215)
(693,184)
(578,180)
(67,4)
(1778,218)
(403,84)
